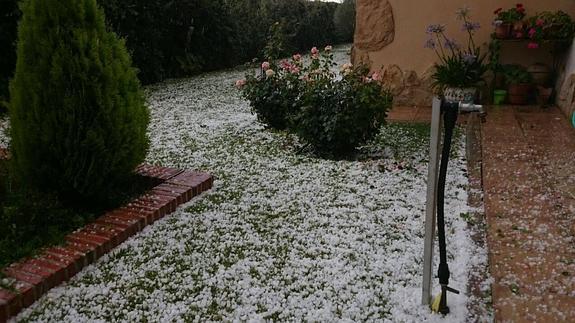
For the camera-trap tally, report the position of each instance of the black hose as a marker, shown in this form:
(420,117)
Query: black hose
(449,119)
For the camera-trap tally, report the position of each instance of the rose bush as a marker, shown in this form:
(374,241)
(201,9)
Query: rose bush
(333,113)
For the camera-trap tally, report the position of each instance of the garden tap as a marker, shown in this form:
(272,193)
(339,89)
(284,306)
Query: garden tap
(470,107)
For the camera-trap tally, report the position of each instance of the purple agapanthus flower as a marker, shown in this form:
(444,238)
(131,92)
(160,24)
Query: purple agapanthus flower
(451,44)
(430,43)
(435,29)
(470,26)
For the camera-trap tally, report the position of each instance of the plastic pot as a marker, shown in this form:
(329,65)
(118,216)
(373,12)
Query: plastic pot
(499,96)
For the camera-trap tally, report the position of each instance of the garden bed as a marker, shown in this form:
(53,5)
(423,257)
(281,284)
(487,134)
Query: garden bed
(25,281)
(283,235)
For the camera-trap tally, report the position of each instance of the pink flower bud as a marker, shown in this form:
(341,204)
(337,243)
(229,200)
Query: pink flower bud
(266,66)
(314,51)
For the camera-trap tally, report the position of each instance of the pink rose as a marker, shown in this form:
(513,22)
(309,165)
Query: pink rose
(296,57)
(314,51)
(295,70)
(532,45)
(532,32)
(285,65)
(539,22)
(266,66)
(240,83)
(376,77)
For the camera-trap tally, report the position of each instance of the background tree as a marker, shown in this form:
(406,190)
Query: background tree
(344,20)
(9,15)
(77,112)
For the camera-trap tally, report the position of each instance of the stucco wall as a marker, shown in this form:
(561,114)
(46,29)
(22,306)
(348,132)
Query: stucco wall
(405,61)
(566,84)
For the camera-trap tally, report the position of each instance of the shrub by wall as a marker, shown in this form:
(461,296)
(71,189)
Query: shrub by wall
(77,113)
(333,114)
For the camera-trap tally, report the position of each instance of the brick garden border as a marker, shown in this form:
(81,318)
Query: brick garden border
(34,276)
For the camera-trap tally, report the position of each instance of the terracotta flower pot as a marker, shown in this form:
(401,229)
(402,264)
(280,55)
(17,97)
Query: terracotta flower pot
(503,31)
(544,94)
(518,93)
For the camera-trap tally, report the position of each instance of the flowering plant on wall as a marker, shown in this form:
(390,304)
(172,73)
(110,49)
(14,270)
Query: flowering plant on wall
(558,26)
(459,66)
(509,20)
(509,16)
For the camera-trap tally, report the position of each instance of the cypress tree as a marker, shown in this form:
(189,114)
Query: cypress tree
(78,115)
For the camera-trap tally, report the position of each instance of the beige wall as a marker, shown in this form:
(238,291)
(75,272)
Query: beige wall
(413,16)
(413,62)
(566,84)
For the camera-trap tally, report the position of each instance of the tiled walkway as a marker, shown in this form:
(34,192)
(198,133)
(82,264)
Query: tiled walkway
(529,196)
(529,185)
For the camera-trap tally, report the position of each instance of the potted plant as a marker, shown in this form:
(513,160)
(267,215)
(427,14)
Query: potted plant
(509,20)
(519,83)
(459,70)
(556,26)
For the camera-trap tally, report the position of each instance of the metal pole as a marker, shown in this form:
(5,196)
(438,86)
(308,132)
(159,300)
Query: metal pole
(431,205)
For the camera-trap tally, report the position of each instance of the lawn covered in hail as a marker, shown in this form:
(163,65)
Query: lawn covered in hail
(282,235)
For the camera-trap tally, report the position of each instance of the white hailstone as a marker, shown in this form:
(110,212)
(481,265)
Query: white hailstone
(316,235)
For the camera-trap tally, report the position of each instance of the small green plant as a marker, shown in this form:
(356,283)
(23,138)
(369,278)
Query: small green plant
(516,74)
(457,67)
(276,42)
(78,115)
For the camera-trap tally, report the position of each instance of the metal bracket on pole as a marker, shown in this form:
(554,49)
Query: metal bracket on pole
(431,206)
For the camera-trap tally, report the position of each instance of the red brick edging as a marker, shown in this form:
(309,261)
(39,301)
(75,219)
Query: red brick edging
(35,276)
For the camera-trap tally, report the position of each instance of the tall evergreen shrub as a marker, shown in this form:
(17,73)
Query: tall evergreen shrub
(77,112)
